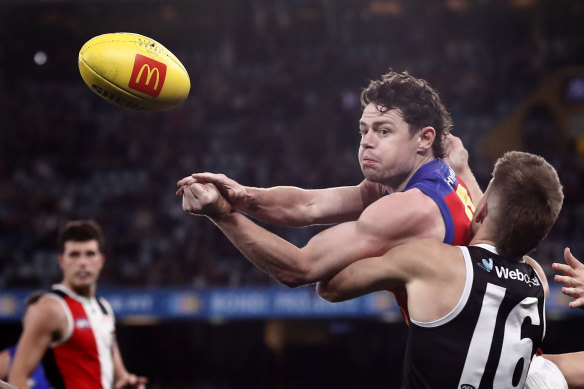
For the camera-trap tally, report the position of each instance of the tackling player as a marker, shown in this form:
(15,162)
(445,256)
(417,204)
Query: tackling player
(479,308)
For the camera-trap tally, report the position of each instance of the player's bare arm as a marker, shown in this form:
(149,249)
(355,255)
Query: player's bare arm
(4,363)
(122,378)
(572,278)
(390,221)
(413,265)
(366,276)
(292,206)
(572,367)
(46,322)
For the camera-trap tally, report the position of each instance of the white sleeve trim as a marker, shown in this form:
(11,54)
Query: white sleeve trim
(68,315)
(463,298)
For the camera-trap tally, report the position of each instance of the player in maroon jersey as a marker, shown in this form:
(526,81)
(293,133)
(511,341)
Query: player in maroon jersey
(408,193)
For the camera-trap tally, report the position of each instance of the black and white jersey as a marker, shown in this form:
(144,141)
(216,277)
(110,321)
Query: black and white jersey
(487,341)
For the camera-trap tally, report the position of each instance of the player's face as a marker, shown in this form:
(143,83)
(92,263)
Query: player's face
(81,263)
(387,152)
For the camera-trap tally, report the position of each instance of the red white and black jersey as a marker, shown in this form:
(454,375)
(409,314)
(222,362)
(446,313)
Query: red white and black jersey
(83,359)
(488,340)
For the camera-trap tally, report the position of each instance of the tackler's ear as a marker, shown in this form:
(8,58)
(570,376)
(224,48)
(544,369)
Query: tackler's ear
(426,138)
(481,212)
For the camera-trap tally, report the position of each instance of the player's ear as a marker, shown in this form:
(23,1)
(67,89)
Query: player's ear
(480,212)
(426,138)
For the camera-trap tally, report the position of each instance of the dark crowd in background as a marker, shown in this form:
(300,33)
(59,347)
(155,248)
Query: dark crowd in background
(274,101)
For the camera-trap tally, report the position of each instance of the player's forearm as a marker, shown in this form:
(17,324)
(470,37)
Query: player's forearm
(355,280)
(296,207)
(18,378)
(4,363)
(281,205)
(25,362)
(343,287)
(572,367)
(332,290)
(119,367)
(267,251)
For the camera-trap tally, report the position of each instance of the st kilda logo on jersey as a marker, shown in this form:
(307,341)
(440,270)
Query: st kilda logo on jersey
(148,75)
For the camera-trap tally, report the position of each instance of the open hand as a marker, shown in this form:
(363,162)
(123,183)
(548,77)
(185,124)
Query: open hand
(573,278)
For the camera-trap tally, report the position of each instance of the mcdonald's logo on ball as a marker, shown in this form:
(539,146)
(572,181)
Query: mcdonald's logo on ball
(147,76)
(134,72)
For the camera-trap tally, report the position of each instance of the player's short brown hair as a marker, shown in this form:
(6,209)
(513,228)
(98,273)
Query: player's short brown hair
(80,231)
(529,199)
(418,103)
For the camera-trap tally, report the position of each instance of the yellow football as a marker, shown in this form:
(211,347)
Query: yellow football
(134,72)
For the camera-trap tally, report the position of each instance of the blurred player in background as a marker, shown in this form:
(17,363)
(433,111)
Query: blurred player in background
(70,329)
(408,193)
(37,379)
(481,308)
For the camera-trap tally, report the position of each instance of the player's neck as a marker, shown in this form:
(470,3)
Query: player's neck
(419,162)
(483,231)
(475,242)
(481,237)
(87,291)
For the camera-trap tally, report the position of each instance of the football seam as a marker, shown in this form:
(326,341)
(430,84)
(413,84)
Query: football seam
(117,41)
(164,53)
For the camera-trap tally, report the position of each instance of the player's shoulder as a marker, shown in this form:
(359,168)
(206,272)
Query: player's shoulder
(539,271)
(431,258)
(431,247)
(413,201)
(46,315)
(404,216)
(49,305)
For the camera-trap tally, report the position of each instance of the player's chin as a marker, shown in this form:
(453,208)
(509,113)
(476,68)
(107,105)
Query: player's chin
(370,173)
(84,282)
(366,169)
